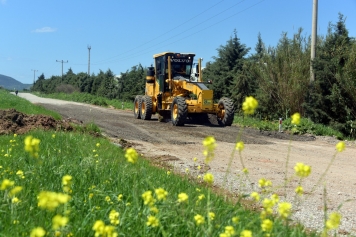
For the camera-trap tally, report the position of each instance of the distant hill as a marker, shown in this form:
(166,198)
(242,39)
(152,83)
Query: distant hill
(10,83)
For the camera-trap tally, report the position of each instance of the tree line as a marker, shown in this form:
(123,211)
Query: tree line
(278,76)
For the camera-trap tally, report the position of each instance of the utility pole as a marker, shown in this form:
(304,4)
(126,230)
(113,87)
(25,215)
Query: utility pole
(89,48)
(34,75)
(313,38)
(61,61)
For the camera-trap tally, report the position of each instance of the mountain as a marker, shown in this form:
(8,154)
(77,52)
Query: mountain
(11,84)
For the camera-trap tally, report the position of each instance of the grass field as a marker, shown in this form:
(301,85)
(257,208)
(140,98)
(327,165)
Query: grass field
(73,184)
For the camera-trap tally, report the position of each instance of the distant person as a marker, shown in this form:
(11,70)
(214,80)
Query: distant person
(16,92)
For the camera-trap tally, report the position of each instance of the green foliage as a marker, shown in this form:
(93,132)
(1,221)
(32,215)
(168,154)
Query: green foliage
(332,98)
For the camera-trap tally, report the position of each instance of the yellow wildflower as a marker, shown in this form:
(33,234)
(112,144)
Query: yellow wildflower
(154,209)
(199,219)
(302,170)
(6,183)
(245,170)
(15,200)
(32,146)
(38,232)
(255,196)
(15,190)
(264,183)
(209,178)
(161,194)
(267,225)
(59,221)
(284,209)
(340,146)
(114,217)
(334,221)
(299,190)
(182,197)
(246,233)
(296,118)
(209,144)
(131,155)
(211,215)
(51,200)
(119,197)
(148,198)
(235,220)
(107,199)
(20,174)
(275,198)
(229,230)
(67,180)
(152,221)
(97,144)
(99,228)
(240,146)
(249,105)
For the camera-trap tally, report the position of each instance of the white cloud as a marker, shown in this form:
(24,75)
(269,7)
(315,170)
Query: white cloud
(45,30)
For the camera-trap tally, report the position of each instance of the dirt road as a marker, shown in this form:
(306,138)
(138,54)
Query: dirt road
(264,155)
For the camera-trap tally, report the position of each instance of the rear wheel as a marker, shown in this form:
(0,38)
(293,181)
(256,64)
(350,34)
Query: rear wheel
(179,111)
(137,106)
(146,108)
(226,111)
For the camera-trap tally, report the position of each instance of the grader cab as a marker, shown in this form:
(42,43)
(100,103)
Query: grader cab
(173,93)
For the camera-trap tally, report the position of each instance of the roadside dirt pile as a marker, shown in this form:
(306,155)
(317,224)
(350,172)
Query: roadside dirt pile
(13,121)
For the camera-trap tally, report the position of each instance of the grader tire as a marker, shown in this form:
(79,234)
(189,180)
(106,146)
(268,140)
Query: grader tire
(226,112)
(137,106)
(146,108)
(179,111)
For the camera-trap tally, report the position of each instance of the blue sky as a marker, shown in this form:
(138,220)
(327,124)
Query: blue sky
(37,33)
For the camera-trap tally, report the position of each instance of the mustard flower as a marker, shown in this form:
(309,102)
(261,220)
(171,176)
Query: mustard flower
(299,190)
(209,144)
(229,230)
(131,155)
(99,228)
(211,215)
(302,170)
(284,209)
(38,232)
(32,146)
(148,198)
(51,200)
(119,197)
(249,105)
(296,118)
(154,209)
(240,146)
(20,174)
(168,172)
(201,197)
(161,194)
(97,144)
(15,190)
(199,219)
(195,159)
(59,221)
(267,225)
(107,199)
(152,221)
(255,196)
(53,135)
(334,221)
(246,233)
(275,198)
(199,167)
(182,197)
(6,183)
(15,200)
(235,220)
(245,170)
(67,180)
(264,183)
(268,204)
(340,146)
(114,217)
(209,178)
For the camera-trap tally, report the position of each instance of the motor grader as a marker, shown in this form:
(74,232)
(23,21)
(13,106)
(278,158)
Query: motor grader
(173,93)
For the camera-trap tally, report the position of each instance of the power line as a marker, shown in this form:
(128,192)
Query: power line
(34,75)
(89,48)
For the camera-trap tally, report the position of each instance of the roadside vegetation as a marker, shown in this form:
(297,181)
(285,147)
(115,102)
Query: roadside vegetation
(74,184)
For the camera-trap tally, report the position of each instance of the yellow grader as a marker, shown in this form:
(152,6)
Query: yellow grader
(172,91)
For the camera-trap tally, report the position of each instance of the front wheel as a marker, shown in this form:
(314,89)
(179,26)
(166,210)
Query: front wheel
(226,111)
(179,111)
(137,106)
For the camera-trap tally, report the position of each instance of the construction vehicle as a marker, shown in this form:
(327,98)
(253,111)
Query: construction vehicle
(172,93)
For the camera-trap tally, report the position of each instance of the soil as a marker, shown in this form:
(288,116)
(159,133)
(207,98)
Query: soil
(265,156)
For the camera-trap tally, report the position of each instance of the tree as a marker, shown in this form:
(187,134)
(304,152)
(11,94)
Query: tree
(226,66)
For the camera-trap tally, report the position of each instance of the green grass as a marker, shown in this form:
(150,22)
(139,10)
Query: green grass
(103,173)
(9,101)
